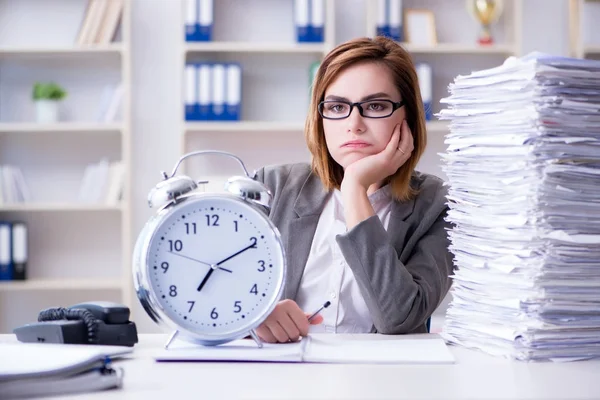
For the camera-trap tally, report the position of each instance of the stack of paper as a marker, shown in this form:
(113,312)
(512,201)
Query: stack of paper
(523,167)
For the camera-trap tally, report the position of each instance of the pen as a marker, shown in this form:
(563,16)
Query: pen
(327,304)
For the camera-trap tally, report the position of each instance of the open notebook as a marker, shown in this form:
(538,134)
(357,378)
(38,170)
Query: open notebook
(318,348)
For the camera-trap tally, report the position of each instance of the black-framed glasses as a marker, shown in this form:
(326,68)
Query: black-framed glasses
(337,109)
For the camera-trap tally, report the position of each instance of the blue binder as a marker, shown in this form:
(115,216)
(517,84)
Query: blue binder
(198,20)
(317,21)
(204,88)
(219,89)
(191,92)
(233,97)
(389,19)
(301,16)
(6,266)
(309,16)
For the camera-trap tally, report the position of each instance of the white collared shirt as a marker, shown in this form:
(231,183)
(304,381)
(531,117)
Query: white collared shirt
(327,276)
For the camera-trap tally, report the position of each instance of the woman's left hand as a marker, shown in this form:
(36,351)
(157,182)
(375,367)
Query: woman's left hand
(377,167)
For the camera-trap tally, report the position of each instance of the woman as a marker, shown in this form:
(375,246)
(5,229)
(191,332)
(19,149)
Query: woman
(361,228)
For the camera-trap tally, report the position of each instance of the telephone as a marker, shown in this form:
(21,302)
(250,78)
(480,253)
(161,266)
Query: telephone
(100,322)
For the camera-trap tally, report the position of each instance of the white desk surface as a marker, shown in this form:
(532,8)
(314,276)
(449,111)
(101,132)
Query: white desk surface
(474,376)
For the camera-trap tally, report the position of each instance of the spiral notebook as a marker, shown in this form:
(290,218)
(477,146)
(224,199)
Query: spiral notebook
(32,369)
(318,348)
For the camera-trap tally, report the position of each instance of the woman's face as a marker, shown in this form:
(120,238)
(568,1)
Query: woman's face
(356,137)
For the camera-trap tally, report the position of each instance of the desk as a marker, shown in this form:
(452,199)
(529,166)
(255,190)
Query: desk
(474,376)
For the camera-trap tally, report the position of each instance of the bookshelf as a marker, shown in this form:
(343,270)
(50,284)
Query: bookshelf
(584,42)
(76,251)
(272,133)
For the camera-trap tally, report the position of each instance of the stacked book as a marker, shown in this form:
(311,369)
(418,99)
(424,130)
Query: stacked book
(523,167)
(100,22)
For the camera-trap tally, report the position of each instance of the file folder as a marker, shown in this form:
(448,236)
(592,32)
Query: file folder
(383,28)
(41,369)
(19,250)
(218,92)
(191,20)
(205,20)
(395,20)
(6,267)
(301,17)
(198,20)
(425,83)
(204,91)
(317,21)
(191,93)
(389,19)
(234,92)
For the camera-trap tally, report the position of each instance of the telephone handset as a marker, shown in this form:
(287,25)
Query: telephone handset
(100,322)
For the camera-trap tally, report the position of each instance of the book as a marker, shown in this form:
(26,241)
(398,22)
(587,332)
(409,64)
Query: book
(317,348)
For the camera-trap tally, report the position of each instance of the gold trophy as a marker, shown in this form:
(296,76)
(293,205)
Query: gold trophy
(486,12)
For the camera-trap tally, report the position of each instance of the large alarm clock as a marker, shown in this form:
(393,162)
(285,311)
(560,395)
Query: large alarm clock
(209,266)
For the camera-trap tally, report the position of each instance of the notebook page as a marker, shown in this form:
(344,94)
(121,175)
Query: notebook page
(332,349)
(237,350)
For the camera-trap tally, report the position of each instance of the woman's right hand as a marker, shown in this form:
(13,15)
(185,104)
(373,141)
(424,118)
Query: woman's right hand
(286,323)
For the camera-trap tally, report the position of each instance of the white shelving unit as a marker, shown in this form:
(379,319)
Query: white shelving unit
(584,42)
(76,252)
(266,55)
(277,73)
(75,127)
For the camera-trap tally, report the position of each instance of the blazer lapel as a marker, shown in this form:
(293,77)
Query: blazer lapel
(308,206)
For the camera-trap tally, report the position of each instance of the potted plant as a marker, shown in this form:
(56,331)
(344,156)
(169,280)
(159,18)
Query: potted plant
(47,97)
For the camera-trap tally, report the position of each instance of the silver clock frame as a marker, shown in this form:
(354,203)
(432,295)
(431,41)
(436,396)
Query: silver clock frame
(246,194)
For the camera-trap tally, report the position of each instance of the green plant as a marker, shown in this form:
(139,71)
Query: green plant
(48,91)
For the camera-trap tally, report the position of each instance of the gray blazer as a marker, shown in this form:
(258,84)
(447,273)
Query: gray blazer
(403,273)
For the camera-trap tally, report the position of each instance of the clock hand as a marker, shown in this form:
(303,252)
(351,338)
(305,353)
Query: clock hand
(215,266)
(253,245)
(208,274)
(201,262)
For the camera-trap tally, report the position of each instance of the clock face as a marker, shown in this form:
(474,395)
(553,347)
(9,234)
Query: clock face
(216,266)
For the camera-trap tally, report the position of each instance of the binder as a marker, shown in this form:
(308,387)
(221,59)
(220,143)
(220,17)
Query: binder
(317,21)
(425,84)
(395,20)
(218,92)
(191,93)
(204,91)
(301,17)
(389,19)
(382,21)
(19,250)
(191,19)
(36,369)
(6,267)
(205,20)
(198,20)
(233,97)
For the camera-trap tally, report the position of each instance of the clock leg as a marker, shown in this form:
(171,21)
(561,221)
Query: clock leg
(171,338)
(256,338)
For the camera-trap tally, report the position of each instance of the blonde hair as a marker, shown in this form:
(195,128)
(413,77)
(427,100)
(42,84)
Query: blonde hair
(399,62)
